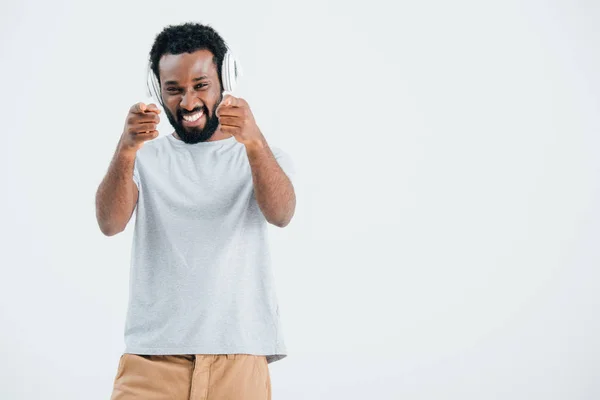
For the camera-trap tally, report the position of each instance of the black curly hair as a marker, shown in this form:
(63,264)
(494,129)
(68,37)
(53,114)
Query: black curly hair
(187,38)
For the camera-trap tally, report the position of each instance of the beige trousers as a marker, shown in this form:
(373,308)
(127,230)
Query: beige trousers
(192,377)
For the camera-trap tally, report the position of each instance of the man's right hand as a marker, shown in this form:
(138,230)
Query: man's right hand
(140,126)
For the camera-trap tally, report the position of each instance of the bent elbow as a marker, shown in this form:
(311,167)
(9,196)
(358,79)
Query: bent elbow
(281,222)
(109,230)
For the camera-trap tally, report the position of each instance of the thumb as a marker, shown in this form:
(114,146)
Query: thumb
(227,100)
(138,108)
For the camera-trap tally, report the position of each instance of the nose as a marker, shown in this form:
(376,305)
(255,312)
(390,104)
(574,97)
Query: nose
(189,101)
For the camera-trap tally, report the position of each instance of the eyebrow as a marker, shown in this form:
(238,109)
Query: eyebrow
(200,78)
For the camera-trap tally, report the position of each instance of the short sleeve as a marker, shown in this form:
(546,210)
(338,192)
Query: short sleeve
(285,162)
(136,173)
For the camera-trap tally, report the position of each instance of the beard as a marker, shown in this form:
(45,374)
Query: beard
(196,134)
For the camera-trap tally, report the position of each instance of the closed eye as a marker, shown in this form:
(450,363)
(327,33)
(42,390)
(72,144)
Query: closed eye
(175,90)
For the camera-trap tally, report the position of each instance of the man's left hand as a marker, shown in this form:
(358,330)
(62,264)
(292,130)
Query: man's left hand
(237,119)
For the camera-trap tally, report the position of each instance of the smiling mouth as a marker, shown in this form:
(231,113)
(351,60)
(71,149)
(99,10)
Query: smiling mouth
(193,117)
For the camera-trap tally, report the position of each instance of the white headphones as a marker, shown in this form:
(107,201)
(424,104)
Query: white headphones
(230,72)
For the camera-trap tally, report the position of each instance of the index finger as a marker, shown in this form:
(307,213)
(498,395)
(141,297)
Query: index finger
(138,108)
(231,101)
(141,108)
(153,108)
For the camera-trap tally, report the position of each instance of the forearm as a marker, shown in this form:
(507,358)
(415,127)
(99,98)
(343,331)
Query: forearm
(117,194)
(273,190)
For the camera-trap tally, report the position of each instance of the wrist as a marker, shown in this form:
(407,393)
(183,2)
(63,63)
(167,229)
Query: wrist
(126,152)
(256,145)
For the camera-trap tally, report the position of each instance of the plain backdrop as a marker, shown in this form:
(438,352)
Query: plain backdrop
(446,240)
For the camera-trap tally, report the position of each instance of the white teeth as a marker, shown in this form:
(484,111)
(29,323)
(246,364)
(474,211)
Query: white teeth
(193,117)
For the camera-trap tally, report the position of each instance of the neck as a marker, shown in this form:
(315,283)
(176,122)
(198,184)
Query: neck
(219,135)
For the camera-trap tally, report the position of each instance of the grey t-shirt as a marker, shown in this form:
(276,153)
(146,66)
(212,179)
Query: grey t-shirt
(201,279)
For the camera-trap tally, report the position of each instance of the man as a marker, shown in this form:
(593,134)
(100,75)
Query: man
(203,320)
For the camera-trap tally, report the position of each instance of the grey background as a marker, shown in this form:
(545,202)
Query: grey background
(446,239)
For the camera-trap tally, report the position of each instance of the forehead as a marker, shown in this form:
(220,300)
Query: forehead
(186,66)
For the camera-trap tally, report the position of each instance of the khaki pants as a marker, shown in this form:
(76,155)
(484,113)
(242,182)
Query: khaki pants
(192,377)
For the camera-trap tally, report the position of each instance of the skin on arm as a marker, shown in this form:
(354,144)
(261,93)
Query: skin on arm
(117,194)
(273,189)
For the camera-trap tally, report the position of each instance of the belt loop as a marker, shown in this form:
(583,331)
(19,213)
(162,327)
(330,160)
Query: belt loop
(230,356)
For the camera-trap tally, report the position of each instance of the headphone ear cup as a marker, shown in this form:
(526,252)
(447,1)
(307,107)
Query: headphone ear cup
(153,86)
(229,72)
